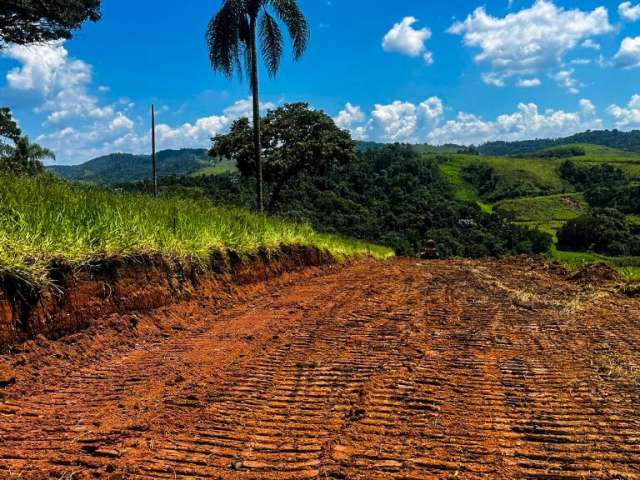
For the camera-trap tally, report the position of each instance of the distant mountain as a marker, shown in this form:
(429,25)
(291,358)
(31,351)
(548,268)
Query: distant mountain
(125,167)
(629,141)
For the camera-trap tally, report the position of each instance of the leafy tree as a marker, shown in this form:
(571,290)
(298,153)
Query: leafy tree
(295,140)
(9,131)
(25,158)
(33,21)
(586,177)
(605,231)
(232,35)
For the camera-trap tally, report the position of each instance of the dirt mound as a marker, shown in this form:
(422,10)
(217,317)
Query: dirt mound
(596,273)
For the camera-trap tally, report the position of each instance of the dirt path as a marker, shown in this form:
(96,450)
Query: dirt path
(403,370)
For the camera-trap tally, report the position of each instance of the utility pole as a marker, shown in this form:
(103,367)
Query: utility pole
(153,150)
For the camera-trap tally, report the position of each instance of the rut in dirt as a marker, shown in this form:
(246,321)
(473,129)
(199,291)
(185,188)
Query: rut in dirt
(400,370)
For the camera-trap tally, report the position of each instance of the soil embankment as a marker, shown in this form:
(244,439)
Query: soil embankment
(79,297)
(397,370)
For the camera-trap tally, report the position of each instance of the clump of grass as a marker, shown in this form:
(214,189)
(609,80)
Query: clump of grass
(45,218)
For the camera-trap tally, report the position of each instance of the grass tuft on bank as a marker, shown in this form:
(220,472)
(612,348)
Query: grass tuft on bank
(43,218)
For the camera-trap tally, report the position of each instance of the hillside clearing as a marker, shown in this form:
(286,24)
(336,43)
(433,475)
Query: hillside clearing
(402,369)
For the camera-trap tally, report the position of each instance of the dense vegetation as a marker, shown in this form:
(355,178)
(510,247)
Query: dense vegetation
(389,194)
(605,231)
(629,141)
(35,21)
(561,152)
(585,177)
(42,218)
(124,167)
(625,198)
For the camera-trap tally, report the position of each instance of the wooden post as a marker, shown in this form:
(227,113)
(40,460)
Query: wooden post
(153,151)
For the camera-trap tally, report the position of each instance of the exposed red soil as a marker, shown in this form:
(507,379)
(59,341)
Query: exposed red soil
(79,297)
(402,370)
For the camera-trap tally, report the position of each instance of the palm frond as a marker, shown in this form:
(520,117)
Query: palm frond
(272,42)
(291,15)
(224,37)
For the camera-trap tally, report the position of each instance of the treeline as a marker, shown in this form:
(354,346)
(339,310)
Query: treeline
(390,195)
(605,228)
(629,141)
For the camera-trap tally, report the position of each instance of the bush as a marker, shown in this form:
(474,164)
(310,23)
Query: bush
(624,198)
(605,231)
(586,177)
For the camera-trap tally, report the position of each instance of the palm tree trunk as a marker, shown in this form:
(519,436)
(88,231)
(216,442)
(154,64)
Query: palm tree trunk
(256,114)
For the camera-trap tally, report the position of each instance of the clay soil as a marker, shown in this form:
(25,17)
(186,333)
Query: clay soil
(398,370)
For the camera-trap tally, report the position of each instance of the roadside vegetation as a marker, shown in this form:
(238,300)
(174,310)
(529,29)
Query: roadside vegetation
(44,219)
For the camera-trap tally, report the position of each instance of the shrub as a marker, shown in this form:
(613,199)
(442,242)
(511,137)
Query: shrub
(605,231)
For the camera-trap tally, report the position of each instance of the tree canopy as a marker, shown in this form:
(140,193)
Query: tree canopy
(34,21)
(295,139)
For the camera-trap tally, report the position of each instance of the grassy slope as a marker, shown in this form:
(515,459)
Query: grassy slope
(42,219)
(548,213)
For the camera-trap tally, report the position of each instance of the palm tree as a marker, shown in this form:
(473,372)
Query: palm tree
(232,35)
(26,157)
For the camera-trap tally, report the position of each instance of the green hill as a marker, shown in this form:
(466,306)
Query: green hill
(629,141)
(123,167)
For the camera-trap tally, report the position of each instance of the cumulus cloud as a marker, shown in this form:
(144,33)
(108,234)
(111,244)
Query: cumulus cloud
(403,122)
(626,116)
(533,40)
(121,134)
(629,12)
(565,79)
(628,55)
(526,123)
(405,39)
(529,82)
(424,123)
(59,82)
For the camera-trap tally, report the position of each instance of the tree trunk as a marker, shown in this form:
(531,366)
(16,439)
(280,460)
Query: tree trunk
(256,115)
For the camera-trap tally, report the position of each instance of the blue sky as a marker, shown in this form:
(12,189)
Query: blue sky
(403,70)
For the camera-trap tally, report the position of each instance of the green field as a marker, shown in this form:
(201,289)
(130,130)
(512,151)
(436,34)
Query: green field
(43,218)
(546,212)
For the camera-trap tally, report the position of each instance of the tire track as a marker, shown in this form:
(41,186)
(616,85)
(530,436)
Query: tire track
(403,370)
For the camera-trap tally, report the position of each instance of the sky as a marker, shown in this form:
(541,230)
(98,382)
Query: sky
(417,71)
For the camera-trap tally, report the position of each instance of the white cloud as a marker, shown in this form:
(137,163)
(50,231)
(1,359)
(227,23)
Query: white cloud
(533,40)
(628,55)
(565,79)
(587,106)
(60,83)
(527,123)
(529,82)
(589,43)
(45,68)
(350,116)
(628,115)
(629,12)
(405,39)
(394,122)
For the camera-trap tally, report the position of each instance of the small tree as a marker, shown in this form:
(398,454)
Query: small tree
(232,35)
(296,140)
(25,158)
(34,21)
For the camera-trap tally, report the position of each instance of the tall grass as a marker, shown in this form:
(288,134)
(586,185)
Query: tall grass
(45,218)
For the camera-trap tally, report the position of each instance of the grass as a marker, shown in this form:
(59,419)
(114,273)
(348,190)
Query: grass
(549,208)
(225,166)
(43,218)
(628,267)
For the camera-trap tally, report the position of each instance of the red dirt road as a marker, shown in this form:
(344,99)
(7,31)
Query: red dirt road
(400,370)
